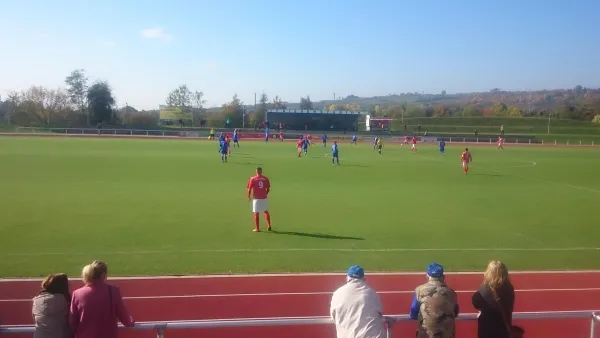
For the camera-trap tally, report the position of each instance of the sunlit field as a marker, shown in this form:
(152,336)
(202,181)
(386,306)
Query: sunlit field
(171,207)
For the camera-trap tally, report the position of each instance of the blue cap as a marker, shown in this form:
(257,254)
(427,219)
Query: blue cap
(435,270)
(356,271)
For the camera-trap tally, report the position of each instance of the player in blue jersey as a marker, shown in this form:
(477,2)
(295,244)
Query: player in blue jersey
(224,150)
(267,134)
(353,139)
(236,138)
(335,155)
(442,146)
(221,137)
(305,144)
(375,140)
(324,140)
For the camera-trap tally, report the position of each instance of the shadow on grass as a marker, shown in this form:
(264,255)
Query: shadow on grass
(322,236)
(489,175)
(246,163)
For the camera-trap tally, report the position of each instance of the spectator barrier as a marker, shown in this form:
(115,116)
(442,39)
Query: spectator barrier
(289,135)
(161,327)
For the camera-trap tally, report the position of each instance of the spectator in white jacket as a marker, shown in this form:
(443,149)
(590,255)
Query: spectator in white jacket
(356,308)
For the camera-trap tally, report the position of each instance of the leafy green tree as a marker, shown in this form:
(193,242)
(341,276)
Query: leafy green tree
(233,110)
(500,109)
(470,110)
(77,88)
(514,112)
(101,102)
(261,112)
(278,103)
(198,101)
(596,119)
(306,103)
(180,97)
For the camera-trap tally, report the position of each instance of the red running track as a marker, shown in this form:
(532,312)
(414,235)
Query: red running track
(262,296)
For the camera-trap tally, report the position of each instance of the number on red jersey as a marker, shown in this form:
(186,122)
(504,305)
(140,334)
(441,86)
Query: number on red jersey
(260,186)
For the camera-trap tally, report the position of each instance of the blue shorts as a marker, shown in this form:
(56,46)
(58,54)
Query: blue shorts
(224,152)
(442,150)
(334,154)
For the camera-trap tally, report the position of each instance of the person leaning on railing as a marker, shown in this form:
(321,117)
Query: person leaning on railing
(97,307)
(50,308)
(356,308)
(495,301)
(435,306)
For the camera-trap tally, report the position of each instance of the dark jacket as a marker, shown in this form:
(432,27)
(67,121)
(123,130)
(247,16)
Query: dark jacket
(490,322)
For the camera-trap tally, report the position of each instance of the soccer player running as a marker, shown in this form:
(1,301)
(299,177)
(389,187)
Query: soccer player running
(335,155)
(267,135)
(281,136)
(442,147)
(305,144)
(466,158)
(259,188)
(379,145)
(500,143)
(375,140)
(224,150)
(353,139)
(324,140)
(405,140)
(413,143)
(236,138)
(228,142)
(299,145)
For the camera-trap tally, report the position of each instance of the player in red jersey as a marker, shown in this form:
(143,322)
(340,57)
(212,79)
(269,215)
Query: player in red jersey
(259,187)
(309,138)
(466,158)
(228,141)
(413,142)
(500,143)
(299,145)
(405,140)
(281,136)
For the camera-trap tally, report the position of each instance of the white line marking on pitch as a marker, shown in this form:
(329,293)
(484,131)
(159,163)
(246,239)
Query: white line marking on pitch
(309,294)
(532,164)
(155,252)
(316,274)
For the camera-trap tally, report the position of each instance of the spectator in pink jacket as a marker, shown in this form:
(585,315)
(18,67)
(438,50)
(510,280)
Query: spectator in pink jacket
(97,307)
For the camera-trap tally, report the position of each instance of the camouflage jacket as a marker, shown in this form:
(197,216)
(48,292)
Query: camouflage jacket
(438,309)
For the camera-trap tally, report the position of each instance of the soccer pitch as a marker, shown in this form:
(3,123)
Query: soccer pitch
(152,207)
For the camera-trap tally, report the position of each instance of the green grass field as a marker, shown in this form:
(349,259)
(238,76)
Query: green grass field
(152,207)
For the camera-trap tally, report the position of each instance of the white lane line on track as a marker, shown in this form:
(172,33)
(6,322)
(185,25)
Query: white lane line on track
(310,294)
(160,252)
(318,274)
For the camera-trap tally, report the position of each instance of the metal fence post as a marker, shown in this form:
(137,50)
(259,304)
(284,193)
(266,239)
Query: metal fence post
(593,327)
(160,332)
(389,328)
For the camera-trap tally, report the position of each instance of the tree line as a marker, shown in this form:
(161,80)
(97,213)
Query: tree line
(81,103)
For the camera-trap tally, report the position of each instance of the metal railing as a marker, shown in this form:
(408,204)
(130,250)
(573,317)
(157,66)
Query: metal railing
(161,327)
(175,133)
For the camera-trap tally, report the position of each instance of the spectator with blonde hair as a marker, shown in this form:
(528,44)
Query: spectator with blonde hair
(51,308)
(495,301)
(97,307)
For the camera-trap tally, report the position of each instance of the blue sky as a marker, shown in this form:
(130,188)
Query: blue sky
(144,49)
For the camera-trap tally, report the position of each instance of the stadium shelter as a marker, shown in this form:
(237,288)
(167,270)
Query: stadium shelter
(297,119)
